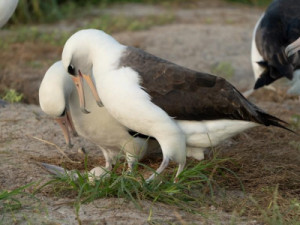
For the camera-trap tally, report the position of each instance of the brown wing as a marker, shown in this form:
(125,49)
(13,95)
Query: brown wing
(189,95)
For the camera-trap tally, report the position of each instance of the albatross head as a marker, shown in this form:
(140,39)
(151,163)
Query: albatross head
(81,51)
(54,93)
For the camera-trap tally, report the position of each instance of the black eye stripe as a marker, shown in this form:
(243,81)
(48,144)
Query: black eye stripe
(71,70)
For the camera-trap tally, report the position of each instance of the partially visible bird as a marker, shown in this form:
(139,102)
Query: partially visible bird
(275,29)
(290,50)
(151,95)
(7,8)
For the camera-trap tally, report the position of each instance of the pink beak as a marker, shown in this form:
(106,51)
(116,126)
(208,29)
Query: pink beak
(66,124)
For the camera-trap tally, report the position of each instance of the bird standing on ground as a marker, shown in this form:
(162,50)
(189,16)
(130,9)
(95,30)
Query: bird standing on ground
(7,8)
(276,28)
(59,99)
(146,93)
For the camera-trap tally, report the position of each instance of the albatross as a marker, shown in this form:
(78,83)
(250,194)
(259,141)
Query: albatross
(59,99)
(7,8)
(151,95)
(276,28)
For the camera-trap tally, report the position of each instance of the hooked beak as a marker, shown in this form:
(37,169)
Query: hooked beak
(79,87)
(66,123)
(92,87)
(62,121)
(293,48)
(70,123)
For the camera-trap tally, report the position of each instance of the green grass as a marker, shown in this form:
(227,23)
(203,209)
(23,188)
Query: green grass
(252,2)
(9,200)
(277,215)
(12,96)
(195,183)
(109,24)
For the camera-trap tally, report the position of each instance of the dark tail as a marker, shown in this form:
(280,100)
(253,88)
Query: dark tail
(269,120)
(253,113)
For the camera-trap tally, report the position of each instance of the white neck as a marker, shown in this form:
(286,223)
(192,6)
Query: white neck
(105,56)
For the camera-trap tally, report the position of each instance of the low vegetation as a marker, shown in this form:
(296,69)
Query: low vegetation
(194,183)
(39,11)
(9,200)
(11,96)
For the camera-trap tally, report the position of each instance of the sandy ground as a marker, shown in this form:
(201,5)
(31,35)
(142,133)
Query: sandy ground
(201,37)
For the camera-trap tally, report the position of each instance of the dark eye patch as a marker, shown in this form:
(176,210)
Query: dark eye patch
(71,70)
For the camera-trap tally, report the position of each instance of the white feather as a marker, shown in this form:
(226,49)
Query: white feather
(210,133)
(255,55)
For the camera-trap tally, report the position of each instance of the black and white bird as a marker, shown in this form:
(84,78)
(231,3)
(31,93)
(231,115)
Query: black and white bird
(276,28)
(150,95)
(7,8)
(59,99)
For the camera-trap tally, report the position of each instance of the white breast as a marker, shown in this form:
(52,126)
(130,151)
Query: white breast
(128,103)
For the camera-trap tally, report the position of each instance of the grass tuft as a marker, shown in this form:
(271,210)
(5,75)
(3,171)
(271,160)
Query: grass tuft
(193,186)
(12,96)
(9,199)
(275,214)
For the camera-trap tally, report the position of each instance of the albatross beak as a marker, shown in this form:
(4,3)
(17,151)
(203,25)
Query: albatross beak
(70,123)
(63,123)
(79,87)
(92,87)
(66,123)
(293,48)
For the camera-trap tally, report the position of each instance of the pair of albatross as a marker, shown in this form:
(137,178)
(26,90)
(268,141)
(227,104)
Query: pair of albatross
(58,98)
(278,27)
(182,109)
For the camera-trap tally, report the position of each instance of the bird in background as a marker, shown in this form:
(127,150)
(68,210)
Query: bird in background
(276,28)
(7,8)
(150,95)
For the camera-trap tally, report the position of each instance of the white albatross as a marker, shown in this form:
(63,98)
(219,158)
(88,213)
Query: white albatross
(7,8)
(276,28)
(146,94)
(59,99)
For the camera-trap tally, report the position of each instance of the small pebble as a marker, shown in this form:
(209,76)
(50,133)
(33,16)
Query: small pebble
(81,150)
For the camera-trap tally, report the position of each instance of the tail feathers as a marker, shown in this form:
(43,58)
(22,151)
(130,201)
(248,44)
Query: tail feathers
(268,120)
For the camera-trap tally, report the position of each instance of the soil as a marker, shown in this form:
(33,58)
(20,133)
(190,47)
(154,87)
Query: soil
(202,36)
